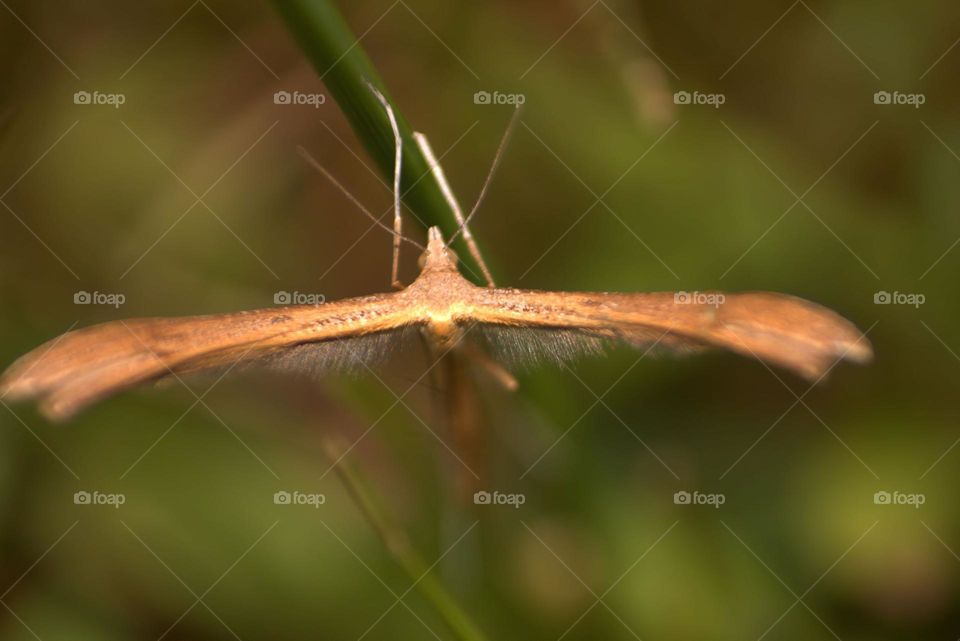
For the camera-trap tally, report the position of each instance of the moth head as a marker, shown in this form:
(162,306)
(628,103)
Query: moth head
(437,255)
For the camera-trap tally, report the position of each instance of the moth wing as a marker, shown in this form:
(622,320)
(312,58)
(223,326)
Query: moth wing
(81,367)
(783,330)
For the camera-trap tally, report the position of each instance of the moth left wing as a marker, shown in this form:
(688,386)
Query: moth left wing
(786,331)
(81,367)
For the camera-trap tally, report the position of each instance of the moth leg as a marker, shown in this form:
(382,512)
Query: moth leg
(451,199)
(498,372)
(397,162)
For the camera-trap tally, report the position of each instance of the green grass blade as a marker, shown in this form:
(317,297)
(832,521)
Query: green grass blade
(345,69)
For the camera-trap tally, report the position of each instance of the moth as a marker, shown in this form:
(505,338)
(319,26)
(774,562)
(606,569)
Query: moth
(79,368)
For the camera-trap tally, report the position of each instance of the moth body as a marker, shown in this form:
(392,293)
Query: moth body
(84,366)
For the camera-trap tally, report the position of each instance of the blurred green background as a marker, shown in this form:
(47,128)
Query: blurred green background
(103,199)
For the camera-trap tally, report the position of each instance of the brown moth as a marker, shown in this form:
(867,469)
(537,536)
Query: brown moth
(81,367)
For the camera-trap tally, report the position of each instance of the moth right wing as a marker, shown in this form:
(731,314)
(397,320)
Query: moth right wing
(84,366)
(786,331)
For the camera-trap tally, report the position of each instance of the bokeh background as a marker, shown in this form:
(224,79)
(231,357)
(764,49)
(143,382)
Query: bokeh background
(798,182)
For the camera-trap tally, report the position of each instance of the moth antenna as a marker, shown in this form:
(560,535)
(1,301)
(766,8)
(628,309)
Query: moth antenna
(323,170)
(451,199)
(397,162)
(493,168)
